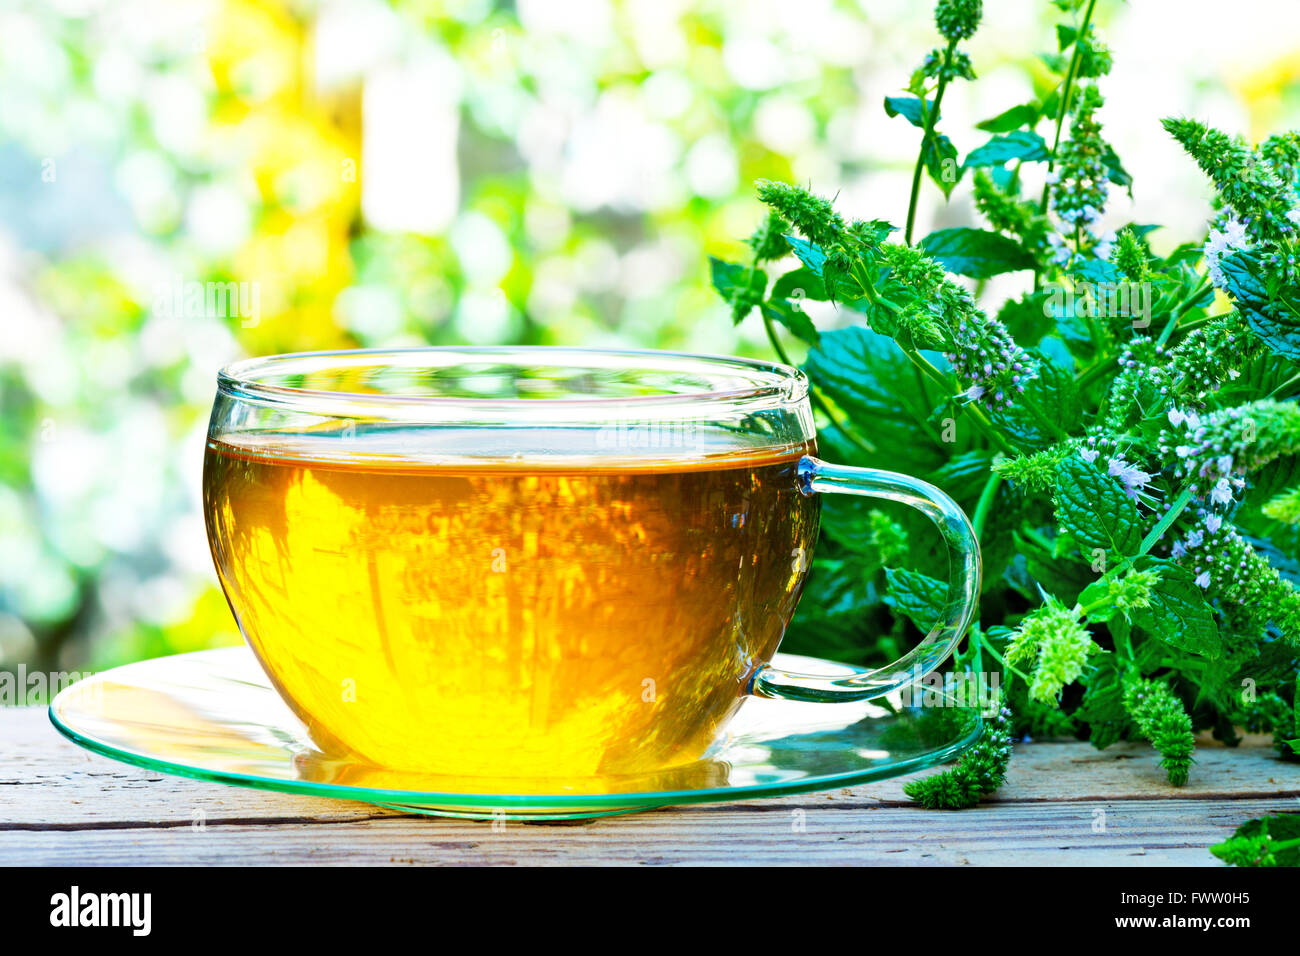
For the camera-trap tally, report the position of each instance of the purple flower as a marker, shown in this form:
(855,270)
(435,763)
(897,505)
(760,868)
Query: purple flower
(1088,454)
(1222,493)
(1203,579)
(1134,479)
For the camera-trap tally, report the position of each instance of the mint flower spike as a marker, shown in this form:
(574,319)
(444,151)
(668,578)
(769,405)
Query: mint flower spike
(768,241)
(1161,719)
(1282,152)
(1006,213)
(814,217)
(1284,507)
(1258,187)
(980,770)
(1078,185)
(1182,378)
(1054,640)
(1255,845)
(1214,453)
(928,307)
(1130,256)
(982,353)
(1229,444)
(958,20)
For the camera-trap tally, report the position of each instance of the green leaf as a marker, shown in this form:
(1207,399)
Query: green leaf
(909,107)
(1096,271)
(1178,614)
(869,378)
(837,285)
(917,597)
(976,252)
(1094,510)
(793,318)
(808,253)
(1047,411)
(801,283)
(737,283)
(1243,844)
(940,158)
(834,615)
(1115,170)
(1063,578)
(1027,318)
(1025,145)
(963,476)
(1014,118)
(1273,313)
(1278,476)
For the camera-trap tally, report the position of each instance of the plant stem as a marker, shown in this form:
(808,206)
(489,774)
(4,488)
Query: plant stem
(990,491)
(1087,377)
(1180,308)
(1067,89)
(816,399)
(1001,660)
(928,118)
(1289,382)
(771,337)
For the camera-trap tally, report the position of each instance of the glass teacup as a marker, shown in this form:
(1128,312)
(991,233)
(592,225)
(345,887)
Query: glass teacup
(532,561)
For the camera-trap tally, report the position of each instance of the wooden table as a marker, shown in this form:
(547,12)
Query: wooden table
(1064,803)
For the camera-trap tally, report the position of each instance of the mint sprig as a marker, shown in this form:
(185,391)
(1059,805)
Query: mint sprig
(1130,455)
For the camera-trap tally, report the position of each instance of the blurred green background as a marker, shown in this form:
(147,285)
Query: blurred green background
(446,172)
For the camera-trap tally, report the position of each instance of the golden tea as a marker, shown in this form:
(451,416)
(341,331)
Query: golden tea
(536,612)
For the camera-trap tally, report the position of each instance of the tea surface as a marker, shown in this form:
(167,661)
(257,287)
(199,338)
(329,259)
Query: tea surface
(539,612)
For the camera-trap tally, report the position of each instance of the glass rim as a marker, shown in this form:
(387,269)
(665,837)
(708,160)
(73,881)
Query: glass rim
(773,382)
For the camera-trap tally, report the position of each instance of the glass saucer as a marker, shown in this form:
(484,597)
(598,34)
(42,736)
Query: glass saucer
(212,715)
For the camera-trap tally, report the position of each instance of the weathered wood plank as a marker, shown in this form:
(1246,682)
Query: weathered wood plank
(1064,803)
(1135,832)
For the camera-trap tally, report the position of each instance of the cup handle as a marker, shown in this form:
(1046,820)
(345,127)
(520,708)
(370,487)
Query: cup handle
(817,476)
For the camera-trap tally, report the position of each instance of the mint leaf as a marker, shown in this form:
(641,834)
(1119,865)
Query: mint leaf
(1273,314)
(739,285)
(801,283)
(1254,838)
(837,286)
(808,253)
(917,597)
(940,157)
(1024,145)
(1094,511)
(834,612)
(1178,614)
(1063,578)
(1096,271)
(909,107)
(866,375)
(976,252)
(1014,118)
(1115,170)
(794,319)
(1047,411)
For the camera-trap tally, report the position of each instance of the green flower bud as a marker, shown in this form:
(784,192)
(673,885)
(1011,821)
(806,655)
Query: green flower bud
(958,19)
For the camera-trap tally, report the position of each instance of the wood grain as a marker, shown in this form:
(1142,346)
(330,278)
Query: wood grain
(1064,803)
